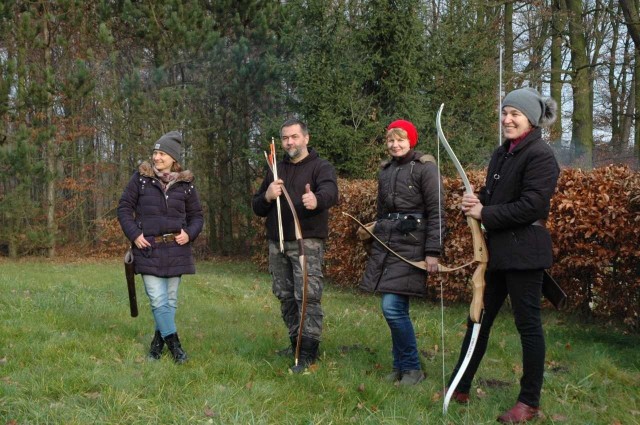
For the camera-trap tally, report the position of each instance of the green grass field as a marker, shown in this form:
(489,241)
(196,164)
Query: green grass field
(71,354)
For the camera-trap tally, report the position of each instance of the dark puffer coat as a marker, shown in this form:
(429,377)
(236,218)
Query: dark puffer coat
(410,185)
(145,208)
(517,193)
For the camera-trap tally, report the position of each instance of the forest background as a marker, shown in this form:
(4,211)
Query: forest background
(86,87)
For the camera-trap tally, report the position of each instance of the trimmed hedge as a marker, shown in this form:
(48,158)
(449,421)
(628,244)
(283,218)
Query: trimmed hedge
(594,222)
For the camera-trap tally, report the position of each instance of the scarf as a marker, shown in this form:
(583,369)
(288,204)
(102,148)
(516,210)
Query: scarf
(515,142)
(166,179)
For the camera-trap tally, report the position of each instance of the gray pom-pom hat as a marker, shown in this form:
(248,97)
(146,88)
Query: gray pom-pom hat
(541,111)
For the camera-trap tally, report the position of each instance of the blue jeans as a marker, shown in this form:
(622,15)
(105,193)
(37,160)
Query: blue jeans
(163,298)
(395,309)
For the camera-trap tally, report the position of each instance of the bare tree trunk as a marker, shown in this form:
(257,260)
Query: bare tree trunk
(582,131)
(632,20)
(636,137)
(628,116)
(630,11)
(558,27)
(616,93)
(52,169)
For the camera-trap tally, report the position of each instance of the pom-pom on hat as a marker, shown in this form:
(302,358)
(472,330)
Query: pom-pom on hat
(407,126)
(541,111)
(171,144)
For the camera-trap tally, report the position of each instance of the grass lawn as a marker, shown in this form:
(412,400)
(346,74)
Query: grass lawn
(71,354)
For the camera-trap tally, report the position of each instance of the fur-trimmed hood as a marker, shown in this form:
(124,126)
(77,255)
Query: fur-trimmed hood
(146,169)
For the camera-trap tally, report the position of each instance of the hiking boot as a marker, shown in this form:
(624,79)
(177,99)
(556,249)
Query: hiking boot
(412,377)
(173,342)
(308,354)
(157,345)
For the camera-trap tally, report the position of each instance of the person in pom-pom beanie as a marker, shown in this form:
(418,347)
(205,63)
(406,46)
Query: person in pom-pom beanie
(410,219)
(160,213)
(513,207)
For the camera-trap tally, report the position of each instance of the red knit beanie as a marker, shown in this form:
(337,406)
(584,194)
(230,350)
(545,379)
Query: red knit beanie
(407,126)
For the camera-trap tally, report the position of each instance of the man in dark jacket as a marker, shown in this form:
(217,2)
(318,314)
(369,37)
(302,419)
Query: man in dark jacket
(312,185)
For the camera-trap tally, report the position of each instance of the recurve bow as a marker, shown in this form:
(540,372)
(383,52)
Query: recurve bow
(481,256)
(301,258)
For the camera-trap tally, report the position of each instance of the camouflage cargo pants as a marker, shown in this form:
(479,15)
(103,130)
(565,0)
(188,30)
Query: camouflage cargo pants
(286,273)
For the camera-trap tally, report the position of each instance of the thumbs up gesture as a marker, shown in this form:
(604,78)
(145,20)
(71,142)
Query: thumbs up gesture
(309,199)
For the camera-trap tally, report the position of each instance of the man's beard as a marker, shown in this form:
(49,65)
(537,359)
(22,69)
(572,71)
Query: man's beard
(294,153)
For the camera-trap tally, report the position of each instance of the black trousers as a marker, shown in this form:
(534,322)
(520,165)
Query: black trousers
(524,287)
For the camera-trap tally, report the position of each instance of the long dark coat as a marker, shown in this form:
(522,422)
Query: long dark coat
(410,185)
(145,208)
(517,194)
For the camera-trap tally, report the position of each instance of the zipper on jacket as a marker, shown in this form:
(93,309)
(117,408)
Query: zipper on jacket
(394,181)
(165,195)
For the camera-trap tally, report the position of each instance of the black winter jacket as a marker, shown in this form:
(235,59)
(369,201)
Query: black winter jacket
(517,193)
(410,185)
(317,172)
(145,208)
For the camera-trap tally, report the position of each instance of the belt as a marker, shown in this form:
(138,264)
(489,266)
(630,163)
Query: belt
(166,238)
(401,216)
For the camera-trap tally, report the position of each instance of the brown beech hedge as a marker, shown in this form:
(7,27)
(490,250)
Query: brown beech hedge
(594,222)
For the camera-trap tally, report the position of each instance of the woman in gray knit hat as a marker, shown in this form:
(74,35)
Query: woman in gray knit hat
(513,207)
(160,214)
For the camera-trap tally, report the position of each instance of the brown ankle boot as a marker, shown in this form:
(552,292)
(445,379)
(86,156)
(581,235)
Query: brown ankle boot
(519,413)
(460,398)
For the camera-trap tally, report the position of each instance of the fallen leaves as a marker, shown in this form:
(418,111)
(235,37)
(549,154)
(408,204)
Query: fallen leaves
(209,413)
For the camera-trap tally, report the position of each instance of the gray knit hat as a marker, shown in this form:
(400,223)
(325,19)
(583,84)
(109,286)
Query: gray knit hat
(541,111)
(170,143)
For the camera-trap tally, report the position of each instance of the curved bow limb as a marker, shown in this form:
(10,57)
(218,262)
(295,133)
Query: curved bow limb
(481,256)
(418,264)
(303,265)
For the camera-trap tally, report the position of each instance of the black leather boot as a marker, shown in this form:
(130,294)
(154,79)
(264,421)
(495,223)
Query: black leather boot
(173,342)
(157,345)
(308,354)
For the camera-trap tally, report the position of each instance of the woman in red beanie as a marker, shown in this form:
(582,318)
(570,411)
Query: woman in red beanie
(410,219)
